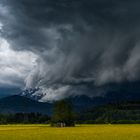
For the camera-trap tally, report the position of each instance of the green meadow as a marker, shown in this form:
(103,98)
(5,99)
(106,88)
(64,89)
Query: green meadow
(80,132)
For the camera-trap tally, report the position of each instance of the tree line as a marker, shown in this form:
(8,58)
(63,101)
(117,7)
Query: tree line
(63,115)
(24,118)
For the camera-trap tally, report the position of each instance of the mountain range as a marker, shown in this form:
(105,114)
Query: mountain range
(28,100)
(15,104)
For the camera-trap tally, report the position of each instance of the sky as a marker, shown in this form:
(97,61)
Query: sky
(68,47)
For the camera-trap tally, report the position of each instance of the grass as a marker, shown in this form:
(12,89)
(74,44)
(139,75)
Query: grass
(83,132)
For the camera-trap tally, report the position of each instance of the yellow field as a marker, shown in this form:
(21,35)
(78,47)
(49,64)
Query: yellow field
(83,132)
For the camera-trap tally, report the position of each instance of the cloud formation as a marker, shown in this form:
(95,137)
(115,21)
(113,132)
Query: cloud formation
(81,45)
(14,66)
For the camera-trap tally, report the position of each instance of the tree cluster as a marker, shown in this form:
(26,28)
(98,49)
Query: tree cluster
(24,118)
(62,114)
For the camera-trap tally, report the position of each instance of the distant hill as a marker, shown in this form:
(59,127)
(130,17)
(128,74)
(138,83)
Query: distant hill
(16,103)
(112,93)
(119,112)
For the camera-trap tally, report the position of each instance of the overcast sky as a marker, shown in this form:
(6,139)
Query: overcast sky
(68,47)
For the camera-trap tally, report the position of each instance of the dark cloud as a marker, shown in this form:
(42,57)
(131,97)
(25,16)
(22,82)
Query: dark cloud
(79,42)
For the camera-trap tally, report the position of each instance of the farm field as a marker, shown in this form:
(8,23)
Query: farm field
(80,132)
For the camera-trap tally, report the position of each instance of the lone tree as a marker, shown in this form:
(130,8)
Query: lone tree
(62,114)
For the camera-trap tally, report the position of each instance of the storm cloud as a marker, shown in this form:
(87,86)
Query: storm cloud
(81,45)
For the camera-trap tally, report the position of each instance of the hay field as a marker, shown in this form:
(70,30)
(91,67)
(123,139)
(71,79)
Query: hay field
(83,132)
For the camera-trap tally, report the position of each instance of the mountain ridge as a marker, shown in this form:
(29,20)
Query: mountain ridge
(15,103)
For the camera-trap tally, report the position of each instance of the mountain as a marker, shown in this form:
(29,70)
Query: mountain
(27,100)
(80,103)
(34,94)
(119,112)
(16,103)
(112,93)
